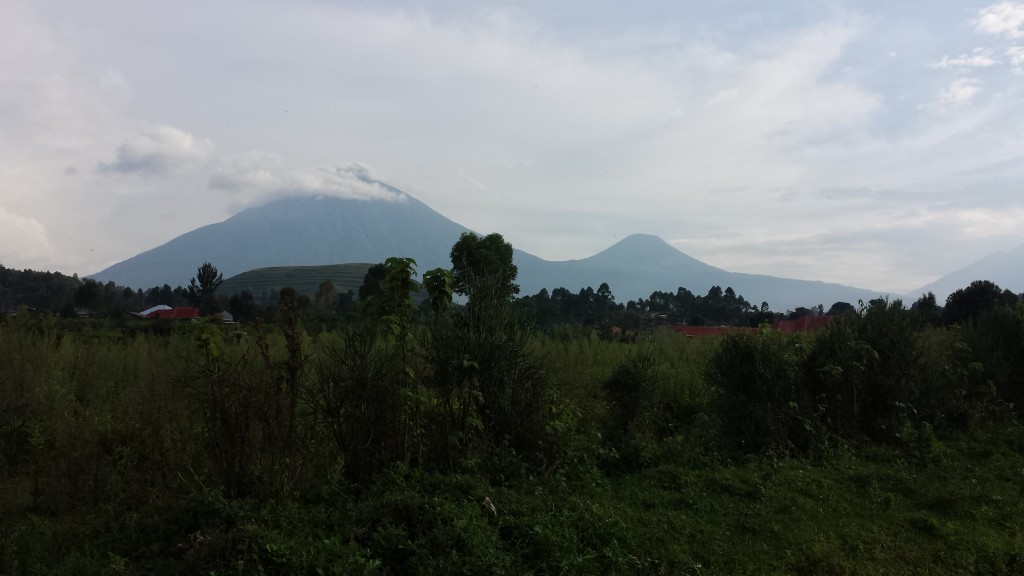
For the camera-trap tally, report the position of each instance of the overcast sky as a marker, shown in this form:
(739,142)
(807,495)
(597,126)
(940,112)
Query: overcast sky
(876,144)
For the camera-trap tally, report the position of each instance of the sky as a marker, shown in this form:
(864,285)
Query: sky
(875,144)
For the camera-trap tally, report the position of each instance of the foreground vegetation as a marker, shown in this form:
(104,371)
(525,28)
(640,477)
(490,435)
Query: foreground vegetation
(877,446)
(446,438)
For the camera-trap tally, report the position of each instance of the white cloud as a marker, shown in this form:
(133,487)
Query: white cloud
(987,223)
(1003,19)
(344,181)
(1016,56)
(960,91)
(257,177)
(24,242)
(159,149)
(255,172)
(979,59)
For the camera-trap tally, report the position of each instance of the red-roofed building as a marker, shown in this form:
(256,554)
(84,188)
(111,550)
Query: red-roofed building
(804,324)
(179,313)
(710,330)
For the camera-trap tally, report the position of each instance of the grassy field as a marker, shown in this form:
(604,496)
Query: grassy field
(205,449)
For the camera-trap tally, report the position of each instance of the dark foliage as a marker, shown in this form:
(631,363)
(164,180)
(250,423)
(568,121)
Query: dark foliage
(980,296)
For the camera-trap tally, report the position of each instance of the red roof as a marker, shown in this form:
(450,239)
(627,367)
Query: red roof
(804,324)
(176,313)
(710,330)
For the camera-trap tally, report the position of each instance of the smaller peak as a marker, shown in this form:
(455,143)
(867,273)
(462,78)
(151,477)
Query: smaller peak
(637,247)
(643,238)
(642,242)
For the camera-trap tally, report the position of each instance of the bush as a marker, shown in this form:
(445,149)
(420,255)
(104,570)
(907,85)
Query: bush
(761,400)
(996,338)
(836,372)
(893,375)
(633,395)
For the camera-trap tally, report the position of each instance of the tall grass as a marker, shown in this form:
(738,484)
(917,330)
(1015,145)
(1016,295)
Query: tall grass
(207,448)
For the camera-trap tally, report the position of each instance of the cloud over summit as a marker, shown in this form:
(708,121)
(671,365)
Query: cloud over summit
(258,177)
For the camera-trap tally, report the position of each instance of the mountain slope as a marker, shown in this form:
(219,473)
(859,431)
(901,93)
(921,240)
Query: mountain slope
(294,232)
(1004,268)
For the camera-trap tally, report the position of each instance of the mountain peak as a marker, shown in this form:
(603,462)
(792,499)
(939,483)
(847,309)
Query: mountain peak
(639,244)
(649,239)
(645,251)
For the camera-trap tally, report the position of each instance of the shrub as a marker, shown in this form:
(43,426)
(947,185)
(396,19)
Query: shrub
(762,404)
(892,379)
(633,395)
(996,338)
(836,372)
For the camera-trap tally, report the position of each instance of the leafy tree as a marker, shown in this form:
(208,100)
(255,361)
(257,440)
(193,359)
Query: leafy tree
(202,287)
(968,302)
(326,296)
(928,309)
(844,307)
(439,286)
(372,281)
(87,294)
(243,307)
(799,313)
(290,305)
(475,258)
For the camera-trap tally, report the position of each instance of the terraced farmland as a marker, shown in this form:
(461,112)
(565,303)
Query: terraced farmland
(264,282)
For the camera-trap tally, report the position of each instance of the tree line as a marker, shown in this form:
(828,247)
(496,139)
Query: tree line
(587,307)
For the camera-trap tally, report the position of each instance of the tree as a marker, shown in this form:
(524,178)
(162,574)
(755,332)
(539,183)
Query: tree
(87,294)
(326,296)
(438,284)
(243,307)
(386,289)
(487,259)
(202,286)
(372,281)
(928,309)
(842,308)
(799,313)
(968,302)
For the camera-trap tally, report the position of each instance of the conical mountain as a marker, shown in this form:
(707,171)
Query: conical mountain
(640,264)
(298,231)
(641,252)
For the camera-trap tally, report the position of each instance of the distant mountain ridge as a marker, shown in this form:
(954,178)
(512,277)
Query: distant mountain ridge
(640,264)
(310,231)
(1004,268)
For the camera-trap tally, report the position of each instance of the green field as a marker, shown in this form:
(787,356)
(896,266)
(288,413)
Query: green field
(879,445)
